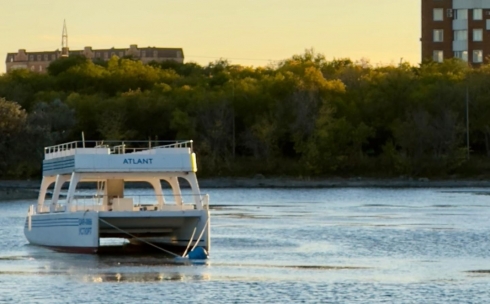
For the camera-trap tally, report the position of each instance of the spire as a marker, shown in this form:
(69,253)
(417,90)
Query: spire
(64,41)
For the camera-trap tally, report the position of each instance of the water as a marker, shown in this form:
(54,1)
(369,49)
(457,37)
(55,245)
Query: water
(280,245)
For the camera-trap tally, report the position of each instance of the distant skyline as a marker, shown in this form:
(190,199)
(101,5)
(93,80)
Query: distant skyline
(247,32)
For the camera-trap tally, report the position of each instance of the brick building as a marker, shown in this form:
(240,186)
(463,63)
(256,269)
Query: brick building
(456,29)
(39,61)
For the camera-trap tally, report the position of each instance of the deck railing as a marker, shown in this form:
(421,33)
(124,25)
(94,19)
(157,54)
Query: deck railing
(116,147)
(139,203)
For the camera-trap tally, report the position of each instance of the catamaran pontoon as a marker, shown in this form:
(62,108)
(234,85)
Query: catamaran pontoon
(79,223)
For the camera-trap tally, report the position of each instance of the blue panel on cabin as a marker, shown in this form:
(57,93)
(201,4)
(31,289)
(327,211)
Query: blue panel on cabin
(59,165)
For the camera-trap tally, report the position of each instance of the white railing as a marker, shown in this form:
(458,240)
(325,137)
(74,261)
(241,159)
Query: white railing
(120,149)
(137,203)
(66,149)
(205,201)
(115,147)
(181,144)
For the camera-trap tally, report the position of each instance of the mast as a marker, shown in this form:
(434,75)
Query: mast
(64,41)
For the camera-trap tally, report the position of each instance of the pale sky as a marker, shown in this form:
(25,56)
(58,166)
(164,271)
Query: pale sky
(246,32)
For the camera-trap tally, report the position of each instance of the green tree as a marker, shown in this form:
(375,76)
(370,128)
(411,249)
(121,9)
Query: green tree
(12,125)
(63,64)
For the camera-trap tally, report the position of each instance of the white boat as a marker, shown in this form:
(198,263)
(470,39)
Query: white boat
(167,220)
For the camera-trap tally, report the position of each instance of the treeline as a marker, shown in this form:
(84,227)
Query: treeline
(305,116)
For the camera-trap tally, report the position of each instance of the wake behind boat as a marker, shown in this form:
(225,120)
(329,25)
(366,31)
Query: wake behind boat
(163,221)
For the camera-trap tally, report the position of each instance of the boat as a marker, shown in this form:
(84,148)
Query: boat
(170,219)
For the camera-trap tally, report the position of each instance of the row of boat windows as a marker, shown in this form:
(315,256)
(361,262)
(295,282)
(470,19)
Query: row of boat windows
(105,55)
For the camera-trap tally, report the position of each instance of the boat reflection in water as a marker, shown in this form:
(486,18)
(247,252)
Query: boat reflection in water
(143,277)
(123,268)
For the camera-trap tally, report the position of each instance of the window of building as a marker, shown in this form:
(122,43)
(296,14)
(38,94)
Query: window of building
(53,57)
(463,55)
(97,55)
(477,14)
(461,35)
(461,14)
(143,53)
(38,57)
(106,55)
(477,34)
(121,54)
(438,14)
(438,56)
(31,57)
(449,13)
(155,53)
(438,35)
(477,56)
(46,57)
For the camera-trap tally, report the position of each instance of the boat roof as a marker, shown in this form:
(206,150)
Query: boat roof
(119,156)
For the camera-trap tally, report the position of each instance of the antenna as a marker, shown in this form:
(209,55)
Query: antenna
(64,41)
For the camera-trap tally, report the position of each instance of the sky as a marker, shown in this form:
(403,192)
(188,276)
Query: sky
(246,32)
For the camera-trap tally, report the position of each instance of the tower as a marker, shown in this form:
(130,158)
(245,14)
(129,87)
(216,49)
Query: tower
(64,41)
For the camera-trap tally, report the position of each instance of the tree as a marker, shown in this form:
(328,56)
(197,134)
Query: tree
(12,124)
(63,64)
(429,144)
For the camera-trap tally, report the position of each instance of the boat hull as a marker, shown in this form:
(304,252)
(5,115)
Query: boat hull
(80,232)
(77,230)
(126,249)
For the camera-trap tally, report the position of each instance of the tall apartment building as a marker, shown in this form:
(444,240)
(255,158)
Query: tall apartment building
(456,29)
(39,61)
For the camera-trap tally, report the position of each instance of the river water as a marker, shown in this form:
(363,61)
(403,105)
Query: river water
(281,245)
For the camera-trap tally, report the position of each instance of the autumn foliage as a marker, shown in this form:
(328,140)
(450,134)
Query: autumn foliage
(304,116)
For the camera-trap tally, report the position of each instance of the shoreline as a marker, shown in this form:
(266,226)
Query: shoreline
(28,189)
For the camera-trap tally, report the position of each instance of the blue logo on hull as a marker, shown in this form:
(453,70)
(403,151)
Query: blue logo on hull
(84,231)
(85,222)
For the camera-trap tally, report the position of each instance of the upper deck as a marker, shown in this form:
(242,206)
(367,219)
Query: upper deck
(119,156)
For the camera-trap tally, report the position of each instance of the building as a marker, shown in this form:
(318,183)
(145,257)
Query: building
(456,29)
(39,61)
